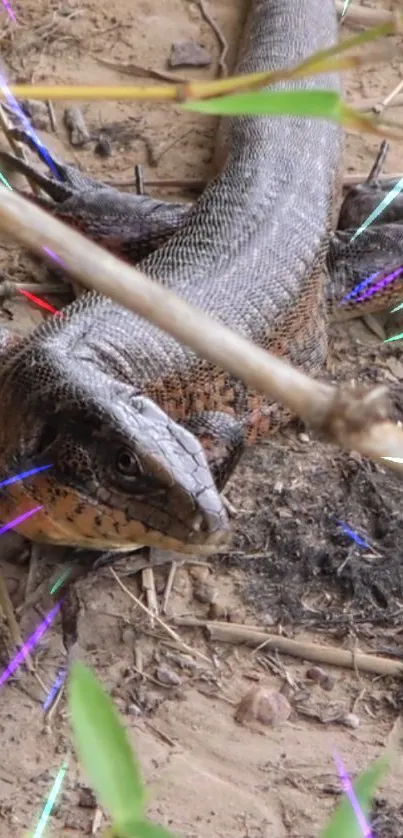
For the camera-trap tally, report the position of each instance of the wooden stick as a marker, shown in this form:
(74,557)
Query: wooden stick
(254,636)
(157,619)
(361,177)
(367,105)
(364,17)
(354,419)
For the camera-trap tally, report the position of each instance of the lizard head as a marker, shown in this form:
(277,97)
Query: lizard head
(122,474)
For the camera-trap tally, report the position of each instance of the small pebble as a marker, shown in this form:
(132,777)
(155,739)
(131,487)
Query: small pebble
(86,798)
(188,54)
(263,705)
(133,709)
(103,146)
(218,611)
(326,681)
(167,676)
(350,720)
(204,592)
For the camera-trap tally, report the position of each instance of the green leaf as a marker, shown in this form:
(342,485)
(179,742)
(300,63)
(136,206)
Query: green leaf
(344,823)
(320,103)
(103,747)
(142,829)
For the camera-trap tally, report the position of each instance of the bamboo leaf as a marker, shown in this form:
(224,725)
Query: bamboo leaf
(344,822)
(103,747)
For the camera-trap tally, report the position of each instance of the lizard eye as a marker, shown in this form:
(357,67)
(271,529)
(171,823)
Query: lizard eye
(127,463)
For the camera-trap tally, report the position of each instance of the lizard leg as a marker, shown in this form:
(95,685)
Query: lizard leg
(363,199)
(223,440)
(366,273)
(131,226)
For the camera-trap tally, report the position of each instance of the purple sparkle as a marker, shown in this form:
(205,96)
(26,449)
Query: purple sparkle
(23,474)
(348,531)
(348,788)
(19,520)
(42,151)
(377,287)
(9,10)
(53,256)
(54,689)
(29,644)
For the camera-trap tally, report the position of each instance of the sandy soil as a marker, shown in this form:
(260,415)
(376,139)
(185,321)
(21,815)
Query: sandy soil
(292,569)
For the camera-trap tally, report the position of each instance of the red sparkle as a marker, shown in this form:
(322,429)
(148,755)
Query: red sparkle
(39,302)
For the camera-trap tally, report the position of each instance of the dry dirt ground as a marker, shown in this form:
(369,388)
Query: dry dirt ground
(292,568)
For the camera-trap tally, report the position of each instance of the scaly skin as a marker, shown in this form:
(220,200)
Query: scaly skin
(85,386)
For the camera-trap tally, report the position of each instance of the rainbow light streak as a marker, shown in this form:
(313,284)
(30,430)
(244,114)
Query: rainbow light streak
(360,541)
(348,788)
(50,802)
(345,7)
(5,181)
(23,474)
(380,208)
(53,256)
(42,151)
(54,689)
(29,644)
(39,301)
(395,337)
(358,288)
(9,10)
(19,520)
(397,308)
(385,281)
(377,287)
(65,575)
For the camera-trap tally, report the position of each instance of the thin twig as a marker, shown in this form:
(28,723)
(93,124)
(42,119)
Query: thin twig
(8,610)
(52,116)
(367,105)
(16,147)
(378,162)
(137,70)
(389,99)
(361,177)
(363,16)
(254,636)
(148,583)
(353,418)
(222,63)
(155,617)
(169,586)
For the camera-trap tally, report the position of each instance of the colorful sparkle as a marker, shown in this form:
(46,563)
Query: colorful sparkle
(377,287)
(395,337)
(54,689)
(29,644)
(348,788)
(5,181)
(360,541)
(358,288)
(39,301)
(9,10)
(47,810)
(380,208)
(59,582)
(13,104)
(397,308)
(22,475)
(345,7)
(19,519)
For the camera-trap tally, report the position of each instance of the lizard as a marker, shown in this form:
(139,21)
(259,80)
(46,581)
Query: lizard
(141,433)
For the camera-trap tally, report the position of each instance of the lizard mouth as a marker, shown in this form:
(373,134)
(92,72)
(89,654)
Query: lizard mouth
(68,519)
